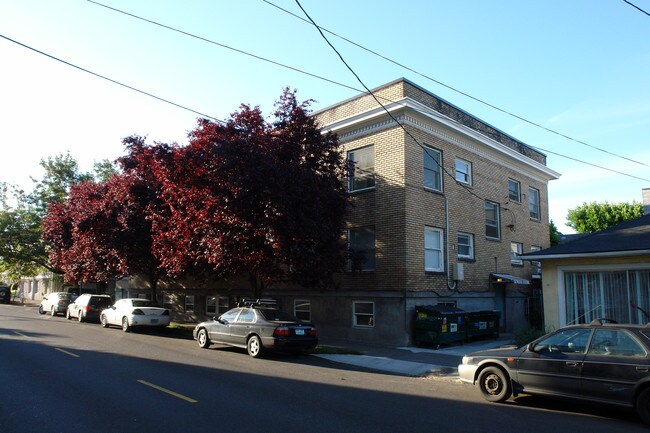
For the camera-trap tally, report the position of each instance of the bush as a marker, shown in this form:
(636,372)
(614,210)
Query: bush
(525,336)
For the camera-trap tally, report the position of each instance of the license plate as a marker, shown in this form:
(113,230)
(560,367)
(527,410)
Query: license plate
(154,320)
(300,332)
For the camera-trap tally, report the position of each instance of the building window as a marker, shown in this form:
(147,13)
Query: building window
(364,314)
(621,295)
(516,250)
(362,169)
(535,263)
(465,246)
(302,309)
(432,169)
(492,223)
(216,305)
(514,191)
(361,245)
(189,303)
(167,301)
(533,204)
(463,171)
(433,258)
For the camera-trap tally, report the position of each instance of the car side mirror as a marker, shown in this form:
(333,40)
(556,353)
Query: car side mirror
(531,348)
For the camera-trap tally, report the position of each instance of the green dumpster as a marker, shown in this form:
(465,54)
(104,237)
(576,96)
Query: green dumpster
(437,324)
(482,324)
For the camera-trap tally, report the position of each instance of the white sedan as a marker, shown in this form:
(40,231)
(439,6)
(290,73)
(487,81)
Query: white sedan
(128,313)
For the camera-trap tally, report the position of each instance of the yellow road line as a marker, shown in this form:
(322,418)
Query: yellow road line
(175,394)
(67,353)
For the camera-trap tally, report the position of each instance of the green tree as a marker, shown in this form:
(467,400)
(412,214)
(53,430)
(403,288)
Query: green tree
(594,217)
(554,234)
(22,250)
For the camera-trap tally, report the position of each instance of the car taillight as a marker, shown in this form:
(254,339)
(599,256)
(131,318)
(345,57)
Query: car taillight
(281,331)
(312,331)
(138,312)
(88,308)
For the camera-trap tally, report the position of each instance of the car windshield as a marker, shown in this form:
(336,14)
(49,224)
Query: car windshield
(277,316)
(64,295)
(142,303)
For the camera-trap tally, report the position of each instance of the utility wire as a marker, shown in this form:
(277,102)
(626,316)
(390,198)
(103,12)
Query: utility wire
(636,7)
(258,57)
(439,163)
(460,91)
(201,38)
(111,80)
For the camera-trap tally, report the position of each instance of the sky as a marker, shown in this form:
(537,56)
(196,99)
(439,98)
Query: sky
(577,68)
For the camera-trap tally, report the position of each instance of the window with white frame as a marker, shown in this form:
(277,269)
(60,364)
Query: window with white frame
(433,255)
(533,203)
(362,169)
(189,303)
(463,171)
(302,309)
(465,246)
(618,294)
(223,304)
(516,250)
(432,169)
(536,264)
(514,190)
(492,220)
(361,245)
(364,314)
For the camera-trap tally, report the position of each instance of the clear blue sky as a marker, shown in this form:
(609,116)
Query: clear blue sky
(577,67)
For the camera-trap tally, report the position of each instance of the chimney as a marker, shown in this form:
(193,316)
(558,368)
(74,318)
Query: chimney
(646,200)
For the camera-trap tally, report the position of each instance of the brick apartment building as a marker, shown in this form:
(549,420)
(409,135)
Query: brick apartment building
(440,209)
(438,216)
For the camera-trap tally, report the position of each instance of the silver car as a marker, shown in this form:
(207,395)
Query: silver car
(54,303)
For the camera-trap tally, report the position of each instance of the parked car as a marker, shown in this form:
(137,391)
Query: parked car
(5,294)
(54,303)
(88,307)
(257,328)
(599,362)
(129,313)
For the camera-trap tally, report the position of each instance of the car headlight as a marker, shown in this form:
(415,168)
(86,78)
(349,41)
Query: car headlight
(468,360)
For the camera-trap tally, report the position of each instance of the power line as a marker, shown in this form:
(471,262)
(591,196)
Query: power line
(439,163)
(460,91)
(201,38)
(636,7)
(408,133)
(258,57)
(110,79)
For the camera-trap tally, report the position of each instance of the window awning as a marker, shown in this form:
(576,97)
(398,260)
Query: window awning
(507,278)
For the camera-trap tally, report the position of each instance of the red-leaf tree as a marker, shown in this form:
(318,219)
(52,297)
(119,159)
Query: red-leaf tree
(255,198)
(102,231)
(247,197)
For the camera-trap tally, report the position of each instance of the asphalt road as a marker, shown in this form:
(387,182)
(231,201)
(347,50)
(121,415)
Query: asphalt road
(63,376)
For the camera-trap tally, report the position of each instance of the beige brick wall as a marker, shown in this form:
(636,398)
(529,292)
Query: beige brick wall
(400,207)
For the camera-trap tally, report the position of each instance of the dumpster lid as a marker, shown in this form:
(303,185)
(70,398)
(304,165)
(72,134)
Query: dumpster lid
(440,309)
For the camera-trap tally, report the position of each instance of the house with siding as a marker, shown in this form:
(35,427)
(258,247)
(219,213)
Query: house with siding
(600,275)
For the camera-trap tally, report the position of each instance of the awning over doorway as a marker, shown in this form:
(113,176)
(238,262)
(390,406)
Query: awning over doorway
(507,278)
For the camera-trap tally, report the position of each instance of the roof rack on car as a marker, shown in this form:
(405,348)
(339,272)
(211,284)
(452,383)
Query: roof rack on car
(250,302)
(601,321)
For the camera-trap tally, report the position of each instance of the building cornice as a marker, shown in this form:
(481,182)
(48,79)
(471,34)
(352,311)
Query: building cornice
(408,111)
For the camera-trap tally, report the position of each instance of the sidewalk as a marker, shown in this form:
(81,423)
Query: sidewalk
(416,361)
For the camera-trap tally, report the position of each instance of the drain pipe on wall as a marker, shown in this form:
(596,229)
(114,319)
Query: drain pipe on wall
(451,285)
